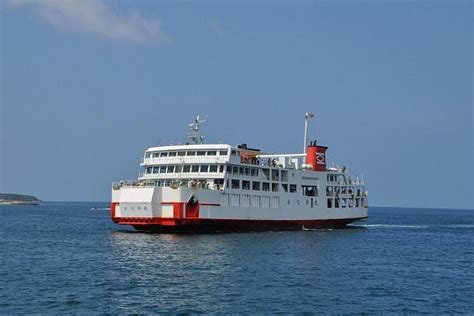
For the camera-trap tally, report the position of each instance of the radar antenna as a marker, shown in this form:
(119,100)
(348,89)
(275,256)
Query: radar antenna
(195,135)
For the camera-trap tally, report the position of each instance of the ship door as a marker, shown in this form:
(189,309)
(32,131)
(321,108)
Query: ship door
(192,208)
(312,203)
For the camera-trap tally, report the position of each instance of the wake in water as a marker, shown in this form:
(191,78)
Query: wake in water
(412,226)
(391,226)
(99,208)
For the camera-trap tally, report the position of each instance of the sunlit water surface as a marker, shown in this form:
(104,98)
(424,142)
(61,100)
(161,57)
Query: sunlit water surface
(70,258)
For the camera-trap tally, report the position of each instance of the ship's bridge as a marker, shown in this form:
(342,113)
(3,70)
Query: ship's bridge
(186,154)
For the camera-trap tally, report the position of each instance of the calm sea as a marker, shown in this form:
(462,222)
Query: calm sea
(70,258)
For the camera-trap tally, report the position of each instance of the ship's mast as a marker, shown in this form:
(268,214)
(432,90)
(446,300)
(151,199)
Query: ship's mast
(195,135)
(306,117)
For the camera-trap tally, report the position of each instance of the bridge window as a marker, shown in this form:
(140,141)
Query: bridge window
(201,153)
(154,155)
(147,155)
(245,185)
(221,168)
(186,168)
(170,169)
(247,171)
(265,186)
(204,168)
(285,187)
(195,168)
(213,168)
(211,153)
(172,154)
(223,153)
(233,152)
(229,169)
(191,153)
(164,154)
(149,169)
(156,169)
(329,203)
(181,153)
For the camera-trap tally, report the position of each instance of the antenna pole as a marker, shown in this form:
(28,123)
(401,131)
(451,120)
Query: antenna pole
(306,117)
(305,132)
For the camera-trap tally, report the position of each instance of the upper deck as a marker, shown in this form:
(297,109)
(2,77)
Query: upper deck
(186,154)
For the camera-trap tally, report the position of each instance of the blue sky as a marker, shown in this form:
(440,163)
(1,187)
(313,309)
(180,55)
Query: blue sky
(87,86)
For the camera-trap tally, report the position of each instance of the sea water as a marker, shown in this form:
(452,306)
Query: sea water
(70,258)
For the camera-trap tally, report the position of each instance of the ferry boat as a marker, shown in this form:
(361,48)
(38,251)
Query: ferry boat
(198,187)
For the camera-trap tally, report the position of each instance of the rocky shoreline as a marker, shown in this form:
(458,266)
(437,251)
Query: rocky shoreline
(18,199)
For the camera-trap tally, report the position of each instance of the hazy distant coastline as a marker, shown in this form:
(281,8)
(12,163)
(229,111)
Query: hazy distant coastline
(18,199)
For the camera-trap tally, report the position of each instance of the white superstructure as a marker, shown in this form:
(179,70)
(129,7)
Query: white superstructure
(220,187)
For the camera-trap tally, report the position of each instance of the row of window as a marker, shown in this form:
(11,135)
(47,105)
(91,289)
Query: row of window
(243,171)
(235,170)
(184,169)
(335,177)
(247,200)
(274,175)
(330,190)
(260,186)
(345,202)
(186,153)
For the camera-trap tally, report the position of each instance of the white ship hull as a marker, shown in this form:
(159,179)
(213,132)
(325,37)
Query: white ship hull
(163,209)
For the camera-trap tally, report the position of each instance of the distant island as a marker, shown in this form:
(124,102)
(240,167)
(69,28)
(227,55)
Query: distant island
(19,199)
